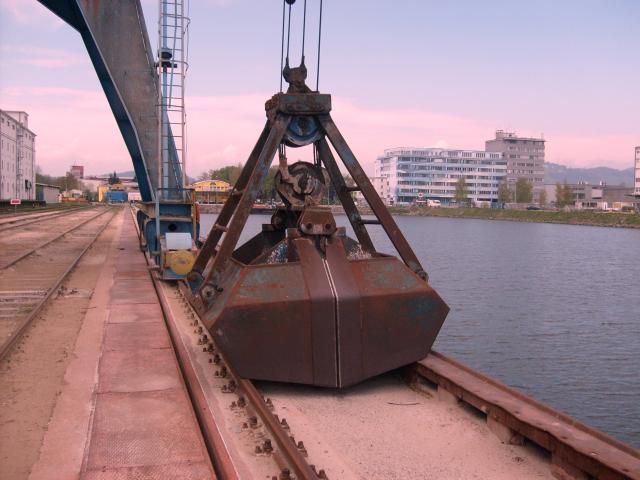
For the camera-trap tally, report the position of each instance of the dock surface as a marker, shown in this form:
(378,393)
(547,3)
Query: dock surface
(124,411)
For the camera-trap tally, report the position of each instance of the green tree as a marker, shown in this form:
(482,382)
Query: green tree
(113,178)
(524,191)
(569,197)
(564,195)
(504,193)
(268,192)
(543,197)
(462,192)
(229,174)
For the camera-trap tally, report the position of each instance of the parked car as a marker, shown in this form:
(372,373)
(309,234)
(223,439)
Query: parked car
(533,207)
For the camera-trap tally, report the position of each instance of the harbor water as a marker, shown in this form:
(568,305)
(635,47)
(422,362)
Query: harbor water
(551,310)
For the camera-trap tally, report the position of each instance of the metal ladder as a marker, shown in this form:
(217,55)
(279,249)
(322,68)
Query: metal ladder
(173,42)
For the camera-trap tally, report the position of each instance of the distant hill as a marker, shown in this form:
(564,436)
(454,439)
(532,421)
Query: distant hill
(554,172)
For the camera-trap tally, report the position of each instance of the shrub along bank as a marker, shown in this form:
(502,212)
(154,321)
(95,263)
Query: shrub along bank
(603,219)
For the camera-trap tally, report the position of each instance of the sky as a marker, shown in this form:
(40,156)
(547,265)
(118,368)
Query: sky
(413,73)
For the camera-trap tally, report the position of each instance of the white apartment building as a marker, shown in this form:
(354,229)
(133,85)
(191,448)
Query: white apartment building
(416,174)
(636,190)
(17,157)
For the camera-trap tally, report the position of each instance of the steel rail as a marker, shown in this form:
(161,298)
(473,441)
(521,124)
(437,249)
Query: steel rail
(44,244)
(214,440)
(573,445)
(39,218)
(6,346)
(6,212)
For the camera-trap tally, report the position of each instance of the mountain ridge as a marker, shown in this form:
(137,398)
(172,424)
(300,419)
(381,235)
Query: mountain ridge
(554,172)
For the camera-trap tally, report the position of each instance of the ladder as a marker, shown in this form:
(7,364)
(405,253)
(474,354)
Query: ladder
(173,42)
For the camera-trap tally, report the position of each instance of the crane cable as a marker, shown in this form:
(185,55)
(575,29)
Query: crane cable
(286,18)
(282,46)
(319,38)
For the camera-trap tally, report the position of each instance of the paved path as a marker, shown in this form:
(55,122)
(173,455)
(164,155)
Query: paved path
(124,411)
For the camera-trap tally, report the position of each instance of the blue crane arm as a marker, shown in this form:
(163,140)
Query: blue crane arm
(117,41)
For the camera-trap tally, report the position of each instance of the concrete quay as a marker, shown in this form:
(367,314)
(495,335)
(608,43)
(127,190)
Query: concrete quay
(123,411)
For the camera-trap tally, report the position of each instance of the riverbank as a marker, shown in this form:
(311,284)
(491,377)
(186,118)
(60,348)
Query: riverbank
(600,219)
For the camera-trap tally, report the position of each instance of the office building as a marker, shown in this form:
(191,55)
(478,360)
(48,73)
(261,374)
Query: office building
(419,174)
(524,157)
(17,157)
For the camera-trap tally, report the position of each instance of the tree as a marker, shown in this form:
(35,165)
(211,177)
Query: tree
(462,192)
(543,197)
(504,194)
(564,195)
(229,174)
(268,192)
(113,178)
(524,191)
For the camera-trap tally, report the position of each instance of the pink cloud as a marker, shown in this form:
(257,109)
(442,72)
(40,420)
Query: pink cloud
(30,11)
(43,57)
(77,126)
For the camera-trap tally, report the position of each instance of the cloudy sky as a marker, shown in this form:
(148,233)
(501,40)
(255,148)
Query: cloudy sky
(415,73)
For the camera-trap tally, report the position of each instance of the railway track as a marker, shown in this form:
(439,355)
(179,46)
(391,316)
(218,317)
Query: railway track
(278,454)
(24,220)
(35,261)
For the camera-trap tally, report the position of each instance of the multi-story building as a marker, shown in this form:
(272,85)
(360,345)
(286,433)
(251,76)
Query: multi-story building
(524,156)
(381,185)
(416,174)
(77,171)
(636,190)
(17,157)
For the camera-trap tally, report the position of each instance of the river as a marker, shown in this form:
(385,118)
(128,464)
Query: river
(552,310)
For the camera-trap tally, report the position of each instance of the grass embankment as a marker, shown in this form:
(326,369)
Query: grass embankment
(603,219)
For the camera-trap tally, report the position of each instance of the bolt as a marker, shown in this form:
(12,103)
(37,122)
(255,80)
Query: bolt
(269,403)
(258,450)
(284,424)
(217,373)
(244,425)
(285,474)
(224,372)
(266,446)
(313,468)
(216,359)
(301,448)
(234,404)
(210,348)
(253,421)
(322,474)
(292,438)
(211,360)
(242,402)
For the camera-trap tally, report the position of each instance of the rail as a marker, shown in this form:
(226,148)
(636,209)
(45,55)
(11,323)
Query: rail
(17,332)
(22,255)
(287,454)
(35,218)
(575,448)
